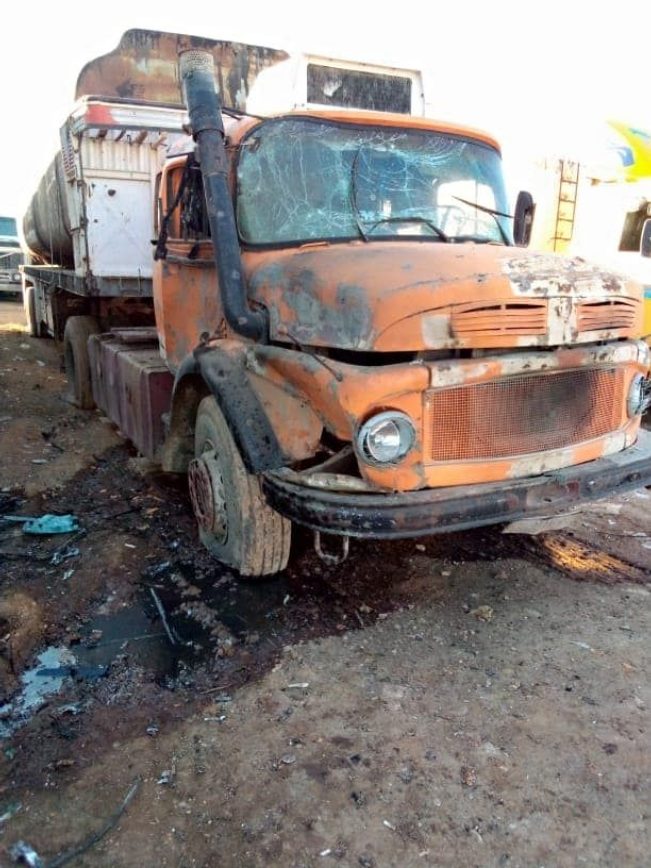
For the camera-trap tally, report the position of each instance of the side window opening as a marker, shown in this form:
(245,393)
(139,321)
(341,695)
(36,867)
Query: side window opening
(194,219)
(188,220)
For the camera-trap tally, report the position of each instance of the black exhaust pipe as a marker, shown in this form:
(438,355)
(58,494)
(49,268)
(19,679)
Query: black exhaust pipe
(197,70)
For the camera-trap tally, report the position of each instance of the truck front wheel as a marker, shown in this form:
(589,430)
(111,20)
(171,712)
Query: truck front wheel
(236,524)
(75,356)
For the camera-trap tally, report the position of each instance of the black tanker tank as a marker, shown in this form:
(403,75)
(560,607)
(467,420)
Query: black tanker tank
(46,224)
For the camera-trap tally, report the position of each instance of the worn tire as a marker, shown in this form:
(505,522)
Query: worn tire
(75,356)
(247,533)
(29,305)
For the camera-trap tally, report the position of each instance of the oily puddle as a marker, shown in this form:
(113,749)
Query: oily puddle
(161,631)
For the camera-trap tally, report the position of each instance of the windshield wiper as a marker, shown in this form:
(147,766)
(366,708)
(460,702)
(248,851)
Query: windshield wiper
(411,219)
(492,211)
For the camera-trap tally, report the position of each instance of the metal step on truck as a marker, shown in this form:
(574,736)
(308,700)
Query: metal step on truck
(325,315)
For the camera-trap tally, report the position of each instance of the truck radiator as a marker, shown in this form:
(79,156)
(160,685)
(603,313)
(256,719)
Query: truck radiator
(522,414)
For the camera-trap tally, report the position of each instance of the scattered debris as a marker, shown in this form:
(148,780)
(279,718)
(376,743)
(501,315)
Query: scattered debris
(389,825)
(73,708)
(69,855)
(10,810)
(482,613)
(468,776)
(157,570)
(288,759)
(171,635)
(64,554)
(166,777)
(23,854)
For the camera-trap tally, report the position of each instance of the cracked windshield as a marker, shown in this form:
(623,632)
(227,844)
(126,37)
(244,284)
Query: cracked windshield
(304,180)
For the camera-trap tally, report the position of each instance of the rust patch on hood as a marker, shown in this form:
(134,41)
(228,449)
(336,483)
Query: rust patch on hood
(414,296)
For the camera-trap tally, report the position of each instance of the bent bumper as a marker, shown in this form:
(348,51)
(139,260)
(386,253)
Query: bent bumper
(437,510)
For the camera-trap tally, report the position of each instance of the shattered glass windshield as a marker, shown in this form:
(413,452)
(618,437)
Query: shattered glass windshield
(303,179)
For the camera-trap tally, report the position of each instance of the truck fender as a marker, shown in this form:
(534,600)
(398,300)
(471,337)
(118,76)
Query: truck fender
(220,371)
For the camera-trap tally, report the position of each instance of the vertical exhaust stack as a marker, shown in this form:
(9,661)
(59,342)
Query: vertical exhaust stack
(198,83)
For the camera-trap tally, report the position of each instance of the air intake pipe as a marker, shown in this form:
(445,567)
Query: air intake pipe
(197,72)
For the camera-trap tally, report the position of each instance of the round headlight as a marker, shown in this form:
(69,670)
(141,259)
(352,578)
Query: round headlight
(386,438)
(636,396)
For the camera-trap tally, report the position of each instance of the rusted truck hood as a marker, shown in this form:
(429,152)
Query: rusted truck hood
(408,295)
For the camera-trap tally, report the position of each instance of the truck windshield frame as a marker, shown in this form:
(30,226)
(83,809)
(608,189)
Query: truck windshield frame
(302,180)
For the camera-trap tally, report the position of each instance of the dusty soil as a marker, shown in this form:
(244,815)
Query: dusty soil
(11,309)
(474,699)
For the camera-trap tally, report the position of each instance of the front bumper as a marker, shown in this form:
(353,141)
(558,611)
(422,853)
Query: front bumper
(438,510)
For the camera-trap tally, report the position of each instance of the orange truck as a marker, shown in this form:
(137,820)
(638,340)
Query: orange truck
(343,329)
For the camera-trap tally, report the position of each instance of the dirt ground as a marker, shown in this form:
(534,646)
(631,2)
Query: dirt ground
(474,699)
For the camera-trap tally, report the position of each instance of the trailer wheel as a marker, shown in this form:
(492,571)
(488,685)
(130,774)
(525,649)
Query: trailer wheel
(29,304)
(236,524)
(77,364)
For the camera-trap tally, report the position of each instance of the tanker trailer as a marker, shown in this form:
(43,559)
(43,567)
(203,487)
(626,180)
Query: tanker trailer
(89,227)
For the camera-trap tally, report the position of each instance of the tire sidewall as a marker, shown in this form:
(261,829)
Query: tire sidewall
(211,426)
(29,305)
(76,359)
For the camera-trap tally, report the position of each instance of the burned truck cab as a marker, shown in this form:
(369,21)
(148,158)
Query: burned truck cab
(360,348)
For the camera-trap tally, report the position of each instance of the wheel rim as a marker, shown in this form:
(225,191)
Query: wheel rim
(208,495)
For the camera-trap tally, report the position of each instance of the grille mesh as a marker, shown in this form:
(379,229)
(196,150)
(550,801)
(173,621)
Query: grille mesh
(521,414)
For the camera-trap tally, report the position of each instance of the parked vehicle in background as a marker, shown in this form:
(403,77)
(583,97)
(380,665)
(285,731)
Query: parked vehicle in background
(336,324)
(11,256)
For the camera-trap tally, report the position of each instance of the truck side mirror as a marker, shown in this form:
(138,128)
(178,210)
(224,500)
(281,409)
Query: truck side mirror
(645,239)
(523,218)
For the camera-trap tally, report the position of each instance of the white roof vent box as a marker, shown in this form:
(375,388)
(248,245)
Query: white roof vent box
(312,82)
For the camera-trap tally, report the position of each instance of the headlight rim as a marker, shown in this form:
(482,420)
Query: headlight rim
(406,428)
(637,383)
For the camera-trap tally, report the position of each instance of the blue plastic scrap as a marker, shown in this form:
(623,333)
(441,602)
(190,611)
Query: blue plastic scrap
(47,524)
